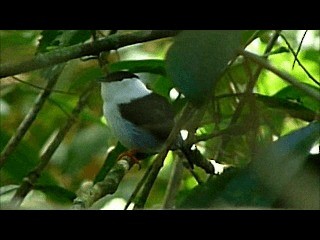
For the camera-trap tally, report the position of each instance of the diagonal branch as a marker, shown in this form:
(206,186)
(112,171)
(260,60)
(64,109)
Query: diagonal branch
(30,117)
(298,50)
(173,184)
(283,75)
(88,195)
(32,177)
(187,112)
(79,50)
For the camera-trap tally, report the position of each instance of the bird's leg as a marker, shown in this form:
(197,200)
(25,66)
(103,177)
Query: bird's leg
(132,155)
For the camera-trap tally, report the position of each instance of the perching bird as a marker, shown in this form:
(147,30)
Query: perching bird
(141,119)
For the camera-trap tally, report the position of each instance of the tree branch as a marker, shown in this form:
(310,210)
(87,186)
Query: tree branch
(29,181)
(283,75)
(31,116)
(89,195)
(252,82)
(158,162)
(79,50)
(248,92)
(173,184)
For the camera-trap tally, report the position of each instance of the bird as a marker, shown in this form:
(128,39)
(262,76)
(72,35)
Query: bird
(139,118)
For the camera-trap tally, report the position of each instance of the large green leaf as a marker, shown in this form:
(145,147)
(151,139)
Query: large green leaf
(196,60)
(261,183)
(277,163)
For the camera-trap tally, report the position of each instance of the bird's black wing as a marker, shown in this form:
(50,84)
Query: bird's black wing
(152,113)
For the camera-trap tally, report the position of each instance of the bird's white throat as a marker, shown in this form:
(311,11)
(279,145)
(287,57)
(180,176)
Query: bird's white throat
(123,91)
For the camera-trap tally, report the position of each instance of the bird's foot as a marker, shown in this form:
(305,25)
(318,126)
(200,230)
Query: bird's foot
(132,155)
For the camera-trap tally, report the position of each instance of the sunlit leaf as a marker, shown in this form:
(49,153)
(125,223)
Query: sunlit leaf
(291,93)
(162,85)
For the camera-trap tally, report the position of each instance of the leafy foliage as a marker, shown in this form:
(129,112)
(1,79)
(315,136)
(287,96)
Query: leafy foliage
(264,146)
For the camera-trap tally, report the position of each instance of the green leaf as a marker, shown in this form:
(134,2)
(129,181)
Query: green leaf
(278,50)
(162,85)
(72,37)
(56,193)
(259,184)
(294,109)
(155,66)
(48,39)
(51,39)
(293,94)
(237,73)
(196,60)
(249,35)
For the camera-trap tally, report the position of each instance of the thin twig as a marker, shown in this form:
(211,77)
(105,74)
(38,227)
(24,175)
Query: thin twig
(31,116)
(235,129)
(138,187)
(298,61)
(173,184)
(65,54)
(55,103)
(299,47)
(248,91)
(283,75)
(29,181)
(252,82)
